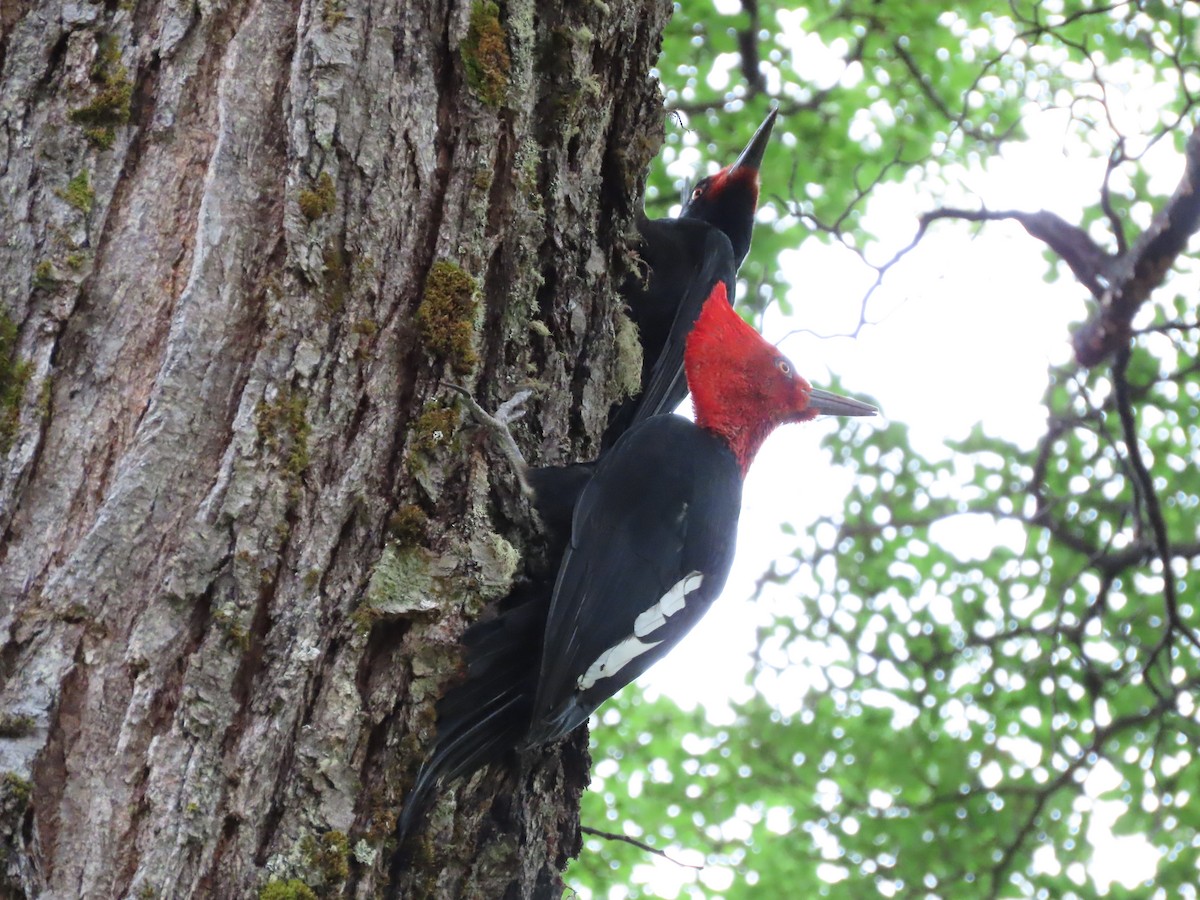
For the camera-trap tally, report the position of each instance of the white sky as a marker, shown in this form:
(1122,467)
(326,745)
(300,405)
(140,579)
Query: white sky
(966,330)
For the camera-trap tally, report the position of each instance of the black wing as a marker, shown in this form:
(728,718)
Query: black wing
(662,505)
(686,259)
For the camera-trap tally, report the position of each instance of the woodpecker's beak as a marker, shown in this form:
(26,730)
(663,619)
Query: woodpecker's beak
(827,404)
(751,157)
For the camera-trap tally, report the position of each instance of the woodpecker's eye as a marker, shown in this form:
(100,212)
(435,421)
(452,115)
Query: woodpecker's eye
(699,191)
(784,366)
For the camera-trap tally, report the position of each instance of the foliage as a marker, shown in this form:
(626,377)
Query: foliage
(968,721)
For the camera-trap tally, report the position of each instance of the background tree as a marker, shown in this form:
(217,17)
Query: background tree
(241,245)
(959,704)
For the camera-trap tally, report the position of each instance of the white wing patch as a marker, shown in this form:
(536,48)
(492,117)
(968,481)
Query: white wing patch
(616,658)
(672,602)
(613,660)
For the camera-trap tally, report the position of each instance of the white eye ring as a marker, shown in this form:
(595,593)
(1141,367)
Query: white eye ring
(784,367)
(698,192)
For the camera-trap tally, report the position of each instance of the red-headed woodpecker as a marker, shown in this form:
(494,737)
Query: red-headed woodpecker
(651,542)
(653,533)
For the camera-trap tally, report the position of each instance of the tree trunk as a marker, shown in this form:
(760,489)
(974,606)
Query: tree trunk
(241,245)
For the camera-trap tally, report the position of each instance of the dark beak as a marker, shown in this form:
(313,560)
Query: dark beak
(827,404)
(751,157)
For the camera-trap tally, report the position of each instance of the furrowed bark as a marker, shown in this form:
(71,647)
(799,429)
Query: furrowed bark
(242,527)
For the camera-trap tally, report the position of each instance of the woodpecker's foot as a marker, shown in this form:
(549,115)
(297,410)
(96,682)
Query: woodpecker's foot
(508,411)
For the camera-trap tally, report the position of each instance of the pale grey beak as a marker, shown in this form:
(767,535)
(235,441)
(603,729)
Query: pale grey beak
(827,404)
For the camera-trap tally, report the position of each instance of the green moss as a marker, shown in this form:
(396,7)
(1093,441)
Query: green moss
(363,619)
(15,792)
(110,107)
(408,526)
(484,53)
(284,429)
(482,180)
(14,376)
(329,857)
(43,276)
(447,316)
(102,138)
(333,12)
(79,193)
(320,199)
(366,327)
(108,58)
(336,277)
(76,261)
(13,725)
(292,889)
(434,428)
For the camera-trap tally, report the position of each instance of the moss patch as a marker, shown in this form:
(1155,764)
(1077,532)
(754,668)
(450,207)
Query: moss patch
(319,200)
(409,525)
(332,13)
(15,792)
(110,106)
(447,316)
(79,193)
(14,376)
(284,428)
(44,277)
(292,889)
(101,138)
(485,55)
(434,428)
(336,275)
(329,857)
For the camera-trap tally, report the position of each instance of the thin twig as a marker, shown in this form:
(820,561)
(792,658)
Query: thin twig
(1153,510)
(613,836)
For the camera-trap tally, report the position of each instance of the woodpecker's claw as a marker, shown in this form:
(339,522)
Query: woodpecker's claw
(508,411)
(512,408)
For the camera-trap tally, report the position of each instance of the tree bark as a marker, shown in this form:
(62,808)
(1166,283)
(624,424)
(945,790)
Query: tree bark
(243,525)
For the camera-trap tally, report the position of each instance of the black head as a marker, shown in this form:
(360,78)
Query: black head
(729,199)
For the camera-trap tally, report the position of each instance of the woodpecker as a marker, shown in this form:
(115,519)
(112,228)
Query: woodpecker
(653,532)
(685,258)
(651,543)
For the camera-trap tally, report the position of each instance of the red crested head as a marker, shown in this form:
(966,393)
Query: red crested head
(728,199)
(743,388)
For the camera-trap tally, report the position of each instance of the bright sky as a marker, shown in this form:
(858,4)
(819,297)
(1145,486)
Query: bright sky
(966,328)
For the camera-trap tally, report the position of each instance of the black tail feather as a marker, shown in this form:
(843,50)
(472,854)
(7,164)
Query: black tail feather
(487,714)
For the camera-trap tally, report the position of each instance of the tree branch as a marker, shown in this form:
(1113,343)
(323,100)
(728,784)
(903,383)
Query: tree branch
(1137,273)
(613,836)
(1087,261)
(1149,502)
(747,39)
